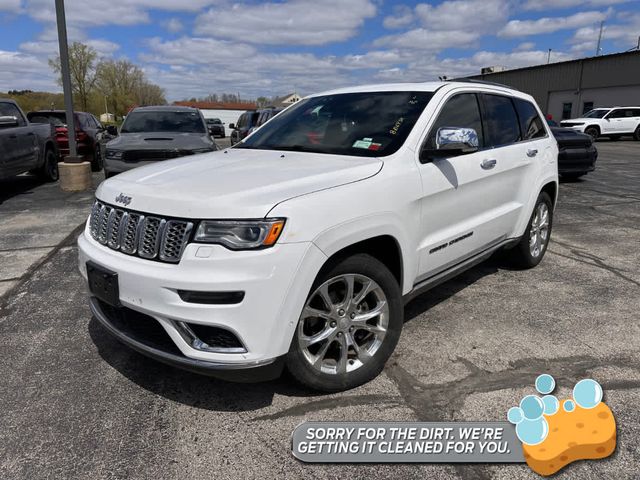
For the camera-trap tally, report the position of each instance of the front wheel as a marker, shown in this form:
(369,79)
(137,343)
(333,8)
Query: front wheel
(349,327)
(529,251)
(636,134)
(592,132)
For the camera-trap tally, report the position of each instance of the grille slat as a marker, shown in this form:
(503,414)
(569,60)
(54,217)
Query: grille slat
(149,237)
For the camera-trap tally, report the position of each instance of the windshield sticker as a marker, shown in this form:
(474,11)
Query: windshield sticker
(375,146)
(397,126)
(364,143)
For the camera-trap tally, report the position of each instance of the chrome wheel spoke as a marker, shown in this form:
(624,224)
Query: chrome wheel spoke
(319,357)
(375,329)
(341,365)
(366,288)
(348,295)
(368,315)
(361,352)
(310,312)
(326,334)
(323,292)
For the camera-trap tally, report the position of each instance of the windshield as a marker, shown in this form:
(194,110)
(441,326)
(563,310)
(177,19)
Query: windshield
(159,121)
(597,113)
(213,121)
(371,124)
(57,119)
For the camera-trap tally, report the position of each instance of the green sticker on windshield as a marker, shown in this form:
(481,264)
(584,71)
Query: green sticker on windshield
(364,143)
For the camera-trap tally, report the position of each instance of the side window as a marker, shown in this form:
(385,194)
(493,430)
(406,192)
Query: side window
(531,124)
(500,120)
(242,120)
(636,112)
(616,114)
(10,110)
(460,111)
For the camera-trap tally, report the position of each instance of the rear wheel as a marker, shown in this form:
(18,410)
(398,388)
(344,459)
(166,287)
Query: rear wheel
(593,132)
(636,134)
(49,170)
(533,245)
(349,326)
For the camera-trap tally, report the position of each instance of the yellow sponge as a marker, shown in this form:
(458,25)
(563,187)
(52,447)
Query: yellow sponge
(581,434)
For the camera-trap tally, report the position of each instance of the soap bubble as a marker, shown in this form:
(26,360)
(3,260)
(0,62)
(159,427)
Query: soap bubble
(551,404)
(569,406)
(515,415)
(587,393)
(545,383)
(532,407)
(532,432)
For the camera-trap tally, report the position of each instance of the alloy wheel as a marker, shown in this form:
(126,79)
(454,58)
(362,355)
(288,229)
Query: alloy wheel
(343,324)
(539,231)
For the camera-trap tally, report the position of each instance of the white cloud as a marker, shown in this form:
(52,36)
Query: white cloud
(522,28)
(22,71)
(173,25)
(293,22)
(402,16)
(525,46)
(12,6)
(559,4)
(624,35)
(428,40)
(479,16)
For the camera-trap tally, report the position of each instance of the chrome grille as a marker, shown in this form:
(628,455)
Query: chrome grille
(133,233)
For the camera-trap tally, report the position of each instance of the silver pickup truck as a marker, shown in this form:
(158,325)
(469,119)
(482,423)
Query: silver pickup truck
(25,146)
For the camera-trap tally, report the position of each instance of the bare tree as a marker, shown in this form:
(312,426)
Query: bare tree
(82,66)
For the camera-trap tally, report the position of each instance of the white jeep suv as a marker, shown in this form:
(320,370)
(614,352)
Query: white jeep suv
(298,247)
(607,122)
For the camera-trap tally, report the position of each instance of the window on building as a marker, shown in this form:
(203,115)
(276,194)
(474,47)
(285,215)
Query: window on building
(566,110)
(587,107)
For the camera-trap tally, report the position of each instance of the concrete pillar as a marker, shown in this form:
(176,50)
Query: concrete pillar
(74,177)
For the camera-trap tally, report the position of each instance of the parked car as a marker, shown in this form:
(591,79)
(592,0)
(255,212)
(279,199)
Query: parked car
(91,136)
(152,134)
(25,146)
(264,115)
(243,126)
(299,246)
(216,127)
(607,122)
(577,153)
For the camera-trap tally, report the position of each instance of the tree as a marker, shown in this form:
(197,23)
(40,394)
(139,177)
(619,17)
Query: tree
(150,94)
(82,69)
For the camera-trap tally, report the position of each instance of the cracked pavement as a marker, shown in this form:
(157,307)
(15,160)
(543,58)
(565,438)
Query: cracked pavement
(77,404)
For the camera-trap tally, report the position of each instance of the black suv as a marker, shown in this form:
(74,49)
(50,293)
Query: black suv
(216,127)
(242,128)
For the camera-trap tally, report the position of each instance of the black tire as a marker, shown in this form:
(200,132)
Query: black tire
(573,176)
(96,160)
(636,134)
(593,132)
(49,170)
(361,265)
(521,255)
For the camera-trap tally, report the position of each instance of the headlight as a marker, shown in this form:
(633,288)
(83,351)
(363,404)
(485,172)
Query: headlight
(240,234)
(114,154)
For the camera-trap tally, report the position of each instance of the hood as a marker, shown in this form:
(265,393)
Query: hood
(234,183)
(567,137)
(160,141)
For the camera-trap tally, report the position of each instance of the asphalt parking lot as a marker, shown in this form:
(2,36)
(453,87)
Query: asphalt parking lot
(77,404)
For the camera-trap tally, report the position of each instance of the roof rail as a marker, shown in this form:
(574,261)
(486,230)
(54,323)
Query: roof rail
(483,82)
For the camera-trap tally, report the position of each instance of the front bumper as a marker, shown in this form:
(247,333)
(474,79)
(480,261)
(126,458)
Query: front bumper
(276,282)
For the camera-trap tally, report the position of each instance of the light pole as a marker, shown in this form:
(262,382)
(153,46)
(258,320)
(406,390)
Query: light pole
(66,80)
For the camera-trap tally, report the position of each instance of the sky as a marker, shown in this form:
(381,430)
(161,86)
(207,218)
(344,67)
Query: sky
(192,48)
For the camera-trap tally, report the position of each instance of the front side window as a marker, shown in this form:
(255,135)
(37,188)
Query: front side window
(371,124)
(159,121)
(597,113)
(10,110)
(460,111)
(531,124)
(500,121)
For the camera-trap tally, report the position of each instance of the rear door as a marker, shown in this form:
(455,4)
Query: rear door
(615,121)
(466,204)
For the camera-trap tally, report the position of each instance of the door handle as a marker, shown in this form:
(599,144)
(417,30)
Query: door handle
(532,152)
(488,164)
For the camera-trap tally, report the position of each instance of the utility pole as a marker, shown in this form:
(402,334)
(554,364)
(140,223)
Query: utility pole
(106,110)
(66,79)
(599,38)
(548,56)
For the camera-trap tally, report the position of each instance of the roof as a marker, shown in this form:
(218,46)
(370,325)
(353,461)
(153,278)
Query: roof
(165,108)
(412,87)
(554,64)
(219,105)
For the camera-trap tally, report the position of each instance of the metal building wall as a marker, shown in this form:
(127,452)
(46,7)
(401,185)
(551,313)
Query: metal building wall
(603,72)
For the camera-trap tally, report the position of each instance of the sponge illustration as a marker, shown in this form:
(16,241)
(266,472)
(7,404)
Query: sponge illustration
(555,434)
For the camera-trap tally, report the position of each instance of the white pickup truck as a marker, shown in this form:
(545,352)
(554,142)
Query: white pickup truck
(607,122)
(298,246)
(25,146)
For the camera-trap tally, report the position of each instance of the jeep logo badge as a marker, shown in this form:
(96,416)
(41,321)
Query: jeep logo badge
(123,199)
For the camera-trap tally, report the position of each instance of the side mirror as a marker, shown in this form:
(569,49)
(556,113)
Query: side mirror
(112,130)
(8,121)
(451,142)
(232,126)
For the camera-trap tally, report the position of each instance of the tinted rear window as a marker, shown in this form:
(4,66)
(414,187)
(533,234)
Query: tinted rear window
(500,121)
(530,122)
